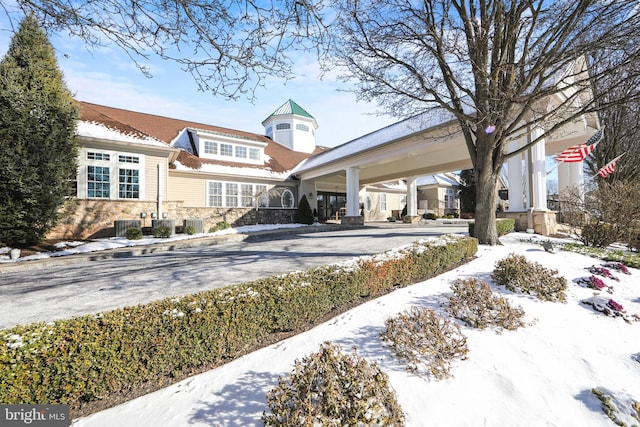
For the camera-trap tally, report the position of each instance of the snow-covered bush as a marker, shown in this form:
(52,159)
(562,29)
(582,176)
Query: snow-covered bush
(422,338)
(620,407)
(329,388)
(519,275)
(478,306)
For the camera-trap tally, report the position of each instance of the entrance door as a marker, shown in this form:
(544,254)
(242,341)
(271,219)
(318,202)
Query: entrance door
(331,206)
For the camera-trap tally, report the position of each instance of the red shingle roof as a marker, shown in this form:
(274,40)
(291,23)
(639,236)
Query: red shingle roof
(167,129)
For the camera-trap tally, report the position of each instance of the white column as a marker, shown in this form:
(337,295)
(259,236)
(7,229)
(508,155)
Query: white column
(538,174)
(353,190)
(571,175)
(515,169)
(412,196)
(563,176)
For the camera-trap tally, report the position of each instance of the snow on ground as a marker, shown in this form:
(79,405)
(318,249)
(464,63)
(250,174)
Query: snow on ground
(539,375)
(76,247)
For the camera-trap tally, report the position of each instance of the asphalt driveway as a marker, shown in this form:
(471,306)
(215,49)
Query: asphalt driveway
(60,290)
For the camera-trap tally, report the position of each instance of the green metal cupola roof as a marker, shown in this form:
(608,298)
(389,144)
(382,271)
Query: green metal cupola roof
(290,107)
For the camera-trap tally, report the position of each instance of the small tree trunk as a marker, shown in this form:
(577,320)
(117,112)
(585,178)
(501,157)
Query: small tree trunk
(486,203)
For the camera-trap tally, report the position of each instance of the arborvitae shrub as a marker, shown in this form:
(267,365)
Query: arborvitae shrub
(478,306)
(329,388)
(519,275)
(304,214)
(134,233)
(422,338)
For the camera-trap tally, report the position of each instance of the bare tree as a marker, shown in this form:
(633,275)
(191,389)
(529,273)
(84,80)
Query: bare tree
(492,64)
(229,46)
(622,124)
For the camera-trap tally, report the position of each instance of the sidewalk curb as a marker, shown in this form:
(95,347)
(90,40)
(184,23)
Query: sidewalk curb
(132,251)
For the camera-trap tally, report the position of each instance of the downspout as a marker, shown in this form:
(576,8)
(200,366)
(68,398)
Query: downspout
(159,191)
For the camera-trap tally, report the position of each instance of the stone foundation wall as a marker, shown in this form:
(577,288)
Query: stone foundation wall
(544,222)
(86,219)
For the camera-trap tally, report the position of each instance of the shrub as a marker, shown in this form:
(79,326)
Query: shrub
(519,275)
(304,214)
(476,305)
(620,407)
(161,231)
(503,226)
(599,234)
(190,230)
(391,219)
(613,256)
(421,337)
(332,389)
(88,358)
(134,233)
(221,225)
(429,215)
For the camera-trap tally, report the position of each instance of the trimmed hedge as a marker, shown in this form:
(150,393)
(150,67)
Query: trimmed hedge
(89,358)
(503,226)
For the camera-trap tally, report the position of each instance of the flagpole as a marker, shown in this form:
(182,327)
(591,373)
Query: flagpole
(611,162)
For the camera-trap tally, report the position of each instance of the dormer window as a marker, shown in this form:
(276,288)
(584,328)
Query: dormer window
(283,126)
(226,150)
(211,147)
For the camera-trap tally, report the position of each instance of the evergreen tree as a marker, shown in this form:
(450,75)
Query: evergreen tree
(38,152)
(304,215)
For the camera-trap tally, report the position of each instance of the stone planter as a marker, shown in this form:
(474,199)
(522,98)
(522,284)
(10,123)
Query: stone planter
(14,254)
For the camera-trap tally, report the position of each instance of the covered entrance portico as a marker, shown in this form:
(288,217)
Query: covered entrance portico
(431,143)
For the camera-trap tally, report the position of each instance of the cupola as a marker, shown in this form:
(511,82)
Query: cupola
(293,127)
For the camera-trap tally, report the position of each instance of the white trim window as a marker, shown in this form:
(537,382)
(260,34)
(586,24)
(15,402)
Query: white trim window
(286,199)
(223,194)
(383,202)
(368,203)
(98,182)
(450,199)
(231,151)
(211,147)
(231,194)
(246,195)
(226,150)
(214,196)
(111,175)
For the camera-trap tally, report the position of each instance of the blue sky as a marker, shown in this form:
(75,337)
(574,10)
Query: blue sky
(109,77)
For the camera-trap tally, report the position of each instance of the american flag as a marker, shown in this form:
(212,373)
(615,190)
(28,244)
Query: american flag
(609,167)
(577,153)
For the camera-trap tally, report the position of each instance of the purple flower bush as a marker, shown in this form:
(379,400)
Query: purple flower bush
(618,266)
(594,282)
(601,271)
(609,307)
(615,306)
